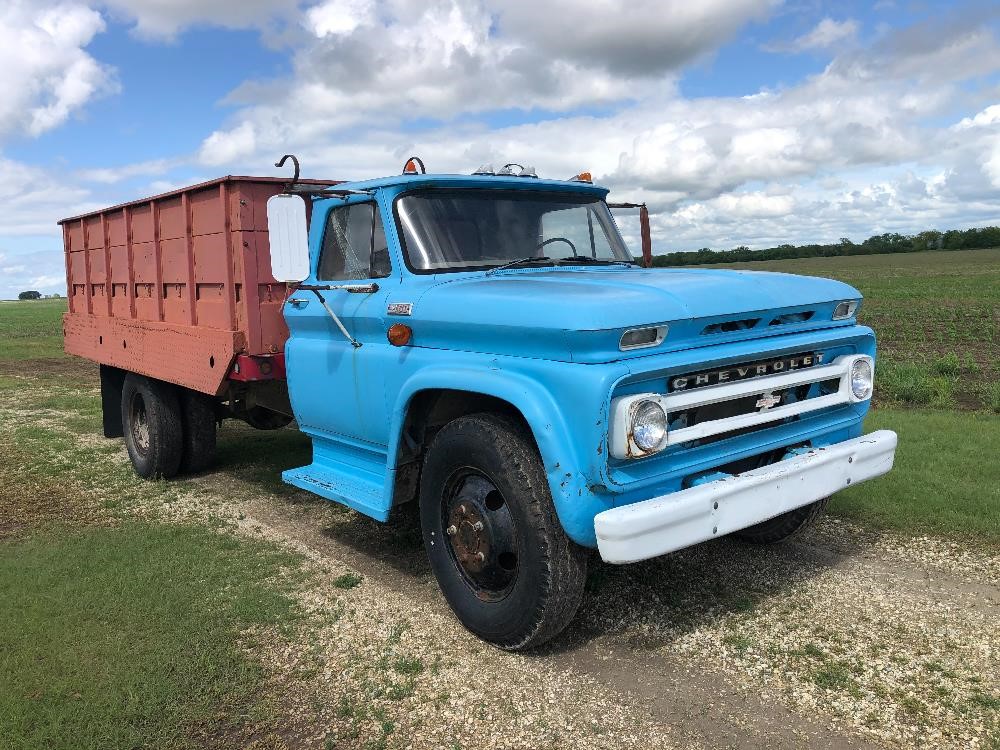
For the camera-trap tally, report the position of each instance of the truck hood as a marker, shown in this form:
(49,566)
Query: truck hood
(579,314)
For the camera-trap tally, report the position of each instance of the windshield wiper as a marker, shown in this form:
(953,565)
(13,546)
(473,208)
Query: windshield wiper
(519,262)
(583,259)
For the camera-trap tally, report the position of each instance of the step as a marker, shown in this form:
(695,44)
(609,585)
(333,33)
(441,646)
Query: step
(346,474)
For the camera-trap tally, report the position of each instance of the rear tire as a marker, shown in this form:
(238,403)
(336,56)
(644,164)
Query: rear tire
(198,420)
(507,568)
(152,426)
(784,527)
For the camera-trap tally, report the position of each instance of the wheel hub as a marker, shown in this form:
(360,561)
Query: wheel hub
(481,535)
(140,424)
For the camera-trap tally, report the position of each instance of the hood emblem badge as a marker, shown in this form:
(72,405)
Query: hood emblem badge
(400,308)
(766,401)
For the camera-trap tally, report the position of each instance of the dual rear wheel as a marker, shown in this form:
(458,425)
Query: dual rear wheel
(168,430)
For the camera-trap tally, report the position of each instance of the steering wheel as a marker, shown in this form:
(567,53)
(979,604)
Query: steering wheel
(558,239)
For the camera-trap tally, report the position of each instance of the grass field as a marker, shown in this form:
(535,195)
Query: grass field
(31,329)
(937,317)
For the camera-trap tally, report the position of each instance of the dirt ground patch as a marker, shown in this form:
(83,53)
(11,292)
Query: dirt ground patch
(29,500)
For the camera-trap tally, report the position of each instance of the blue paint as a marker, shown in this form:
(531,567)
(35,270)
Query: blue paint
(545,340)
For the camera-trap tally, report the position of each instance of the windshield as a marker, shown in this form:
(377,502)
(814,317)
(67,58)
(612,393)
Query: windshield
(461,230)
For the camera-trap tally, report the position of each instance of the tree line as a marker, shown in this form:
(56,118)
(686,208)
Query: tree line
(890,242)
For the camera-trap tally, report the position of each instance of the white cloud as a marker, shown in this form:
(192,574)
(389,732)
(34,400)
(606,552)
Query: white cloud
(399,61)
(989,116)
(824,35)
(112,175)
(847,151)
(339,16)
(228,146)
(638,38)
(47,73)
(163,19)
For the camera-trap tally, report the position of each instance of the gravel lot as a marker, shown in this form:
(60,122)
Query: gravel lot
(841,639)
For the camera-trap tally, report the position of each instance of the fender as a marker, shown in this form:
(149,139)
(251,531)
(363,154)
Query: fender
(571,477)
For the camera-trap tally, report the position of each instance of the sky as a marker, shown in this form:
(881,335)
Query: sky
(739,122)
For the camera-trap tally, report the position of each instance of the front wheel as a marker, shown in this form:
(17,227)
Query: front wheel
(783,527)
(495,544)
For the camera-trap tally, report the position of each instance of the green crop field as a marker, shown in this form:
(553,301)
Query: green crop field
(937,318)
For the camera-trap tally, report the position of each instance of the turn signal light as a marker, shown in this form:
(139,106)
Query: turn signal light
(399,334)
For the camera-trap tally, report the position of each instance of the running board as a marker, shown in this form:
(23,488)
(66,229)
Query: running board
(344,474)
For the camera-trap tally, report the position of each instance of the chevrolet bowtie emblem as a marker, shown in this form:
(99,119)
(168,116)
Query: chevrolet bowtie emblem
(766,401)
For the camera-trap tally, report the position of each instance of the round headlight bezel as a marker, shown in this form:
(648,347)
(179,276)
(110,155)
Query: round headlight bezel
(862,373)
(648,426)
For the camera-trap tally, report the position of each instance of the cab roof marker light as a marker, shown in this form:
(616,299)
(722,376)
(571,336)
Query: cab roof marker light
(582,177)
(845,309)
(414,165)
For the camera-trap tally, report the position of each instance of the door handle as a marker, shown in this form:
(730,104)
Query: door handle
(298,302)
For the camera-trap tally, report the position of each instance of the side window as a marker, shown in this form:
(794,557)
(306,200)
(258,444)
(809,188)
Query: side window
(353,247)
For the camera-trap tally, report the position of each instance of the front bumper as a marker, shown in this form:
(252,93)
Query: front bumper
(680,519)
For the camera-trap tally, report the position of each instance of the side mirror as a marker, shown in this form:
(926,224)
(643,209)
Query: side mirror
(288,237)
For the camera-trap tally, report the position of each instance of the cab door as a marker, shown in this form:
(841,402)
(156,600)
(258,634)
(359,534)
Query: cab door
(337,388)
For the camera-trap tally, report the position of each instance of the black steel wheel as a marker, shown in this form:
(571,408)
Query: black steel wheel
(152,427)
(481,534)
(495,544)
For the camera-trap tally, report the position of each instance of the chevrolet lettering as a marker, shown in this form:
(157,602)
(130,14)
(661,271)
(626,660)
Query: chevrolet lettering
(743,372)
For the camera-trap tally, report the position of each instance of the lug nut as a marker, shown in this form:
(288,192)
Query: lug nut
(478,526)
(451,530)
(481,557)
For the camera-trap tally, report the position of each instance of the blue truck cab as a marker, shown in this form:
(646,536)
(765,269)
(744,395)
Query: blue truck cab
(486,346)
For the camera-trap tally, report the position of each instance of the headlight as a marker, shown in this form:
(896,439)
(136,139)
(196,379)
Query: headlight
(862,379)
(649,426)
(845,309)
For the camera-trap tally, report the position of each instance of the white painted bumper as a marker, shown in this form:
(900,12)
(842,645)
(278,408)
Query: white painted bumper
(678,520)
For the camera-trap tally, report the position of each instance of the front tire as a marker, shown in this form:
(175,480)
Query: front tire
(152,426)
(495,544)
(784,527)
